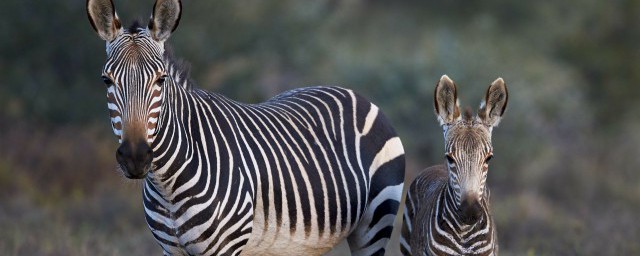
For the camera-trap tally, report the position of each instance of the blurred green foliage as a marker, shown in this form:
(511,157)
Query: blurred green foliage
(564,178)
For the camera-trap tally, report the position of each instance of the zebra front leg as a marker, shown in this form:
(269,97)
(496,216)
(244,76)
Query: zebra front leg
(405,247)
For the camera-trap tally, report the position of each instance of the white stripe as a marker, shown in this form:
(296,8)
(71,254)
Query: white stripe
(368,123)
(112,106)
(391,149)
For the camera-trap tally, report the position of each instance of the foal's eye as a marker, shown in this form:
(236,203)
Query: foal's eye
(450,160)
(486,161)
(107,81)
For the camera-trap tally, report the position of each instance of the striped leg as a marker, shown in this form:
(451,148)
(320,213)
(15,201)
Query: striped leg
(386,173)
(405,247)
(374,230)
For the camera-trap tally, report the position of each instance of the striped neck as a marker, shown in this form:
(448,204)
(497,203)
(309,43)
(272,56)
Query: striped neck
(173,132)
(449,235)
(452,210)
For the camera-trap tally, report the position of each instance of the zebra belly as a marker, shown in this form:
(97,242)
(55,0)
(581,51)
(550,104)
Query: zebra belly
(269,238)
(275,241)
(290,246)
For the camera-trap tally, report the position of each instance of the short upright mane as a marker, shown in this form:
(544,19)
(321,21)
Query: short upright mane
(468,114)
(179,69)
(135,26)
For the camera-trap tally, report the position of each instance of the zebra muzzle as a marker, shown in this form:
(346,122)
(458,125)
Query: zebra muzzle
(134,159)
(470,210)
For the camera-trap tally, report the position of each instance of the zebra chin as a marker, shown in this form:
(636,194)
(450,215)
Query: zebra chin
(134,159)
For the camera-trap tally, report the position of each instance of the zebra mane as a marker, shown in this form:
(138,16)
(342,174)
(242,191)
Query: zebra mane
(178,69)
(135,26)
(468,114)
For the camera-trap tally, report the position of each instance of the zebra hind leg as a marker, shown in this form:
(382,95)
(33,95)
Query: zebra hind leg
(372,234)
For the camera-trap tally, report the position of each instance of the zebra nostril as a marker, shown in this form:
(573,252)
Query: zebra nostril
(149,156)
(119,152)
(123,151)
(123,156)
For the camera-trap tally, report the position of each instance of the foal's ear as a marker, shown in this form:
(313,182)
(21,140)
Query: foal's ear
(445,101)
(104,19)
(494,104)
(165,18)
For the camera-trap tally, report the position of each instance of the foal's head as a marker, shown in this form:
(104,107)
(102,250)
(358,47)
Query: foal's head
(468,142)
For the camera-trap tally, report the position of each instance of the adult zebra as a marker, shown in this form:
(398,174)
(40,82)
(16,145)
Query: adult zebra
(292,176)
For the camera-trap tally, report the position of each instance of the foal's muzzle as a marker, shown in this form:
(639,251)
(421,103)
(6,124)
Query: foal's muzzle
(470,210)
(134,159)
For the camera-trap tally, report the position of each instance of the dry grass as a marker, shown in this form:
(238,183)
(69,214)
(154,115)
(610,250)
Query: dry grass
(71,201)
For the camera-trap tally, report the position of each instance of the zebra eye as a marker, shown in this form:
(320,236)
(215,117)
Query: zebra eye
(486,161)
(107,80)
(161,79)
(450,160)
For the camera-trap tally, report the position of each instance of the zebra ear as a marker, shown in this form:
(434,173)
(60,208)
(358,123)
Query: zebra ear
(103,18)
(165,18)
(494,104)
(445,101)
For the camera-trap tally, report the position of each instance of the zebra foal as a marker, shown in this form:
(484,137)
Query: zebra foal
(291,176)
(447,206)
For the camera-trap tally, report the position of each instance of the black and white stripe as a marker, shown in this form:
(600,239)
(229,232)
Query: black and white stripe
(143,96)
(447,206)
(291,176)
(436,228)
(295,174)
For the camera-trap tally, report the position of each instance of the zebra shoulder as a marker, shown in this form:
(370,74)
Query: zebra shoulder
(427,186)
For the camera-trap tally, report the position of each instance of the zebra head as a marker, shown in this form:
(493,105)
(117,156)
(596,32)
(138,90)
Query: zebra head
(135,74)
(468,142)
